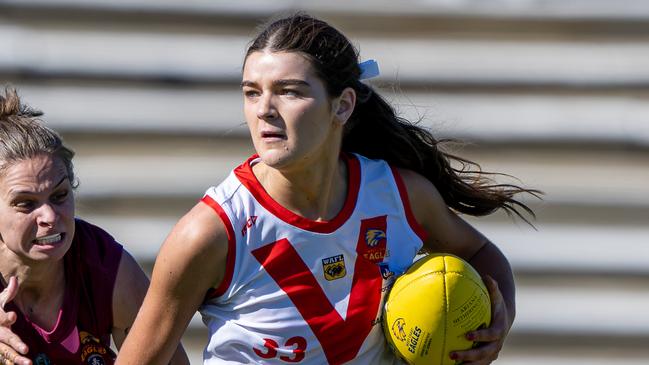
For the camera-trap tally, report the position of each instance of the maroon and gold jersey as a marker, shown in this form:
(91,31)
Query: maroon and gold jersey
(82,332)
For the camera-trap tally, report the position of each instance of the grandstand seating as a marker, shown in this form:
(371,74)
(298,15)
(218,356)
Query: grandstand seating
(552,92)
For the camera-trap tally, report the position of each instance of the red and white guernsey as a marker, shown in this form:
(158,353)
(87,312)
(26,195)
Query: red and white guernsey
(303,291)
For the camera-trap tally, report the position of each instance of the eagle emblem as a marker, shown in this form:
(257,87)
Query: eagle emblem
(374,236)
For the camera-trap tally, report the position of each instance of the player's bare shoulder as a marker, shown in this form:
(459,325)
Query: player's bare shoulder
(200,237)
(202,225)
(422,194)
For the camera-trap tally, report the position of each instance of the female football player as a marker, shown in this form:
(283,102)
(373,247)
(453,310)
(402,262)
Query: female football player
(67,287)
(290,257)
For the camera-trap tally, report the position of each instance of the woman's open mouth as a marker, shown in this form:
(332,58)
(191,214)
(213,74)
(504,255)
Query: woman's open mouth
(49,239)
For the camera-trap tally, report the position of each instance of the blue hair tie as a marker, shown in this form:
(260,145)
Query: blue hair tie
(369,69)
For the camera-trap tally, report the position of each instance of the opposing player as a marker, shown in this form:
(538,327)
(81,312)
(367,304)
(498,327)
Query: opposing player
(290,257)
(67,287)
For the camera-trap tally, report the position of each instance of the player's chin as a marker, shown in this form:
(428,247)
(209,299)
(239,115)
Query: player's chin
(276,157)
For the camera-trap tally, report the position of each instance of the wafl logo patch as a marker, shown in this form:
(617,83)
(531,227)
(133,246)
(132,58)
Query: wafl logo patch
(334,267)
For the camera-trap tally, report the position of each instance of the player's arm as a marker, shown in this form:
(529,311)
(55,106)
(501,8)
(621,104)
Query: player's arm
(130,288)
(191,261)
(447,232)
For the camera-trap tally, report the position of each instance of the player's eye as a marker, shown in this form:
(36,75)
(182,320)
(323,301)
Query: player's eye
(60,197)
(290,92)
(251,93)
(24,205)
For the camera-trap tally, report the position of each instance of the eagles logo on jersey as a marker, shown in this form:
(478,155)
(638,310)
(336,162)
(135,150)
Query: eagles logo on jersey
(374,236)
(334,267)
(375,249)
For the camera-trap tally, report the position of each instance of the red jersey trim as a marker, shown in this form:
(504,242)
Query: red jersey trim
(229,266)
(249,180)
(403,192)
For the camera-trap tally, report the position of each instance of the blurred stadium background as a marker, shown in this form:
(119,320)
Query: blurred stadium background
(553,92)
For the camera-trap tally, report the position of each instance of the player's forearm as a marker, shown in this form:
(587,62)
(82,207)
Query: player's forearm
(154,339)
(146,347)
(489,260)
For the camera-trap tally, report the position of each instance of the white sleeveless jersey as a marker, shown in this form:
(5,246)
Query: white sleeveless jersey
(303,291)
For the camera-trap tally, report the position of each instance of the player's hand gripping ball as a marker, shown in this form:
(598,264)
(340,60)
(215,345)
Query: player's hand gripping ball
(432,306)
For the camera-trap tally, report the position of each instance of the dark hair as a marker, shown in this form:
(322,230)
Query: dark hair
(375,131)
(23,135)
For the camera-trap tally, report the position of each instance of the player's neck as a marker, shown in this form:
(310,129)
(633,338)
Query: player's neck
(43,278)
(316,191)
(40,292)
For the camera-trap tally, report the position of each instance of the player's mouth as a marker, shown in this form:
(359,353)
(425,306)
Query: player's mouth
(273,136)
(49,239)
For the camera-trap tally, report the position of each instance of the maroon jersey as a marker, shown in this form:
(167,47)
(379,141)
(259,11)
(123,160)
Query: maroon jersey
(82,331)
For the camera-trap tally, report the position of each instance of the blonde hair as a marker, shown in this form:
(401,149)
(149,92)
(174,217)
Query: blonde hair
(23,135)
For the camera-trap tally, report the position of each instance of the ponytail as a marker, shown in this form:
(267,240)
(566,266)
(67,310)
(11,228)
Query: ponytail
(23,135)
(375,131)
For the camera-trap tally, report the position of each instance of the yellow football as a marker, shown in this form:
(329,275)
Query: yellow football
(432,306)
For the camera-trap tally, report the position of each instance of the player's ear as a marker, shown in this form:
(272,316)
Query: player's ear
(343,105)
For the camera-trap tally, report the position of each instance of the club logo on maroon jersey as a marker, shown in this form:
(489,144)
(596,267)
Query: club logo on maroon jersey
(94,352)
(334,267)
(42,359)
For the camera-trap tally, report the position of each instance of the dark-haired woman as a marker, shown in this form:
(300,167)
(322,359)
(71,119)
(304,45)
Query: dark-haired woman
(68,287)
(289,258)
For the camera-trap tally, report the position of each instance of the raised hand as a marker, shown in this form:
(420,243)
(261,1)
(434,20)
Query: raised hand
(11,346)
